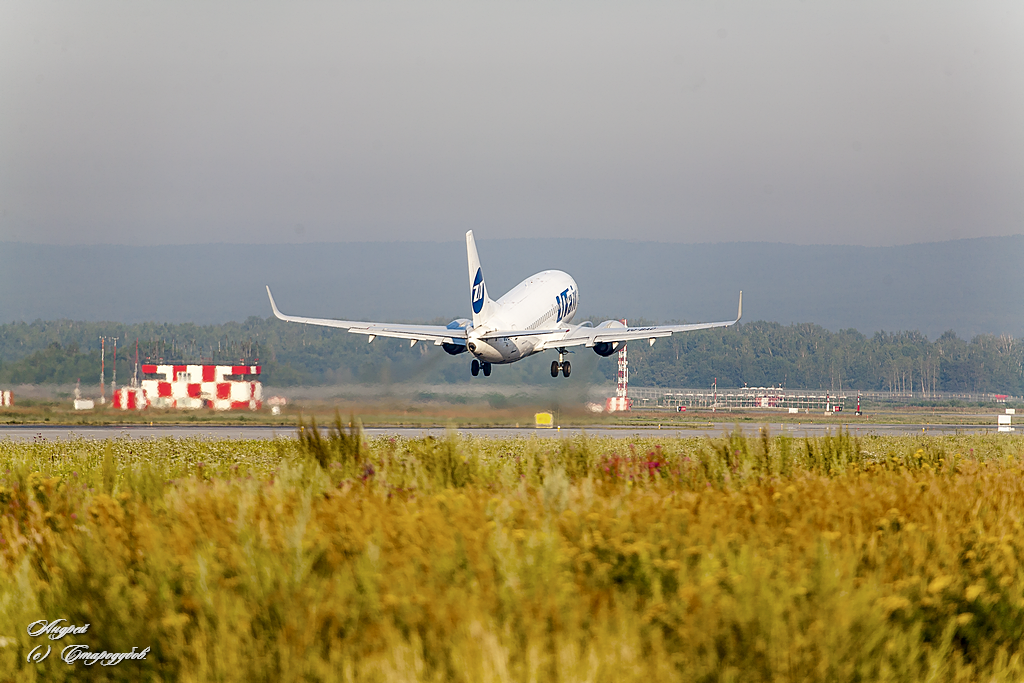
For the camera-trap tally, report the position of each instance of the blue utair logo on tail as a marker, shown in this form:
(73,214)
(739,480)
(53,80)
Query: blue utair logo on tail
(477,291)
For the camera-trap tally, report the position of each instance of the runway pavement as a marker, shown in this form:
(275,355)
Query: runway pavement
(716,429)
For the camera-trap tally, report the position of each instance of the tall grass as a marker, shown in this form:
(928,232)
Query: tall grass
(334,558)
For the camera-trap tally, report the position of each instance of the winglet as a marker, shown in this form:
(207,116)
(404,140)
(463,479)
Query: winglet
(273,305)
(739,313)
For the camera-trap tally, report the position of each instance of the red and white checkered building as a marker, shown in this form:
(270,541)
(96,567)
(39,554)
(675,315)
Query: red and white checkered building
(221,387)
(129,398)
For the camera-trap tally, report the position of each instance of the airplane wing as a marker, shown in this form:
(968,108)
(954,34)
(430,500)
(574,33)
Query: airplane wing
(589,336)
(439,334)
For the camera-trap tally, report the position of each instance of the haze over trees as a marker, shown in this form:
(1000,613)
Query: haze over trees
(958,295)
(755,353)
(970,286)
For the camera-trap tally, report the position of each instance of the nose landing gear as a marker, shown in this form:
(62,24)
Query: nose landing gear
(476,366)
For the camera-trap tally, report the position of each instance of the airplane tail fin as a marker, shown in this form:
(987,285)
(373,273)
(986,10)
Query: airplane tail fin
(482,304)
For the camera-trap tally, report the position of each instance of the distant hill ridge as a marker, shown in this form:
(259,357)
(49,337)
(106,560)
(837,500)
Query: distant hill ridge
(970,286)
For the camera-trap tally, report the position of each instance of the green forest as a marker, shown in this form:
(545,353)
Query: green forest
(753,354)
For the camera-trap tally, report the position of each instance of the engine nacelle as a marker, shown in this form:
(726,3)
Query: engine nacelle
(453,349)
(460,347)
(605,349)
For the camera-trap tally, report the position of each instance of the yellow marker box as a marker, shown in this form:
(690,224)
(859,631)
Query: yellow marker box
(543,420)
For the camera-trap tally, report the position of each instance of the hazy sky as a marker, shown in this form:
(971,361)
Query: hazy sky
(871,123)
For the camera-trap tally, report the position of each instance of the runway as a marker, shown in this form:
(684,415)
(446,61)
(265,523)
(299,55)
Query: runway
(713,430)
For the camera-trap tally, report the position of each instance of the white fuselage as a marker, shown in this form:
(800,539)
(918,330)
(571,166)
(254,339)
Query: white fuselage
(543,301)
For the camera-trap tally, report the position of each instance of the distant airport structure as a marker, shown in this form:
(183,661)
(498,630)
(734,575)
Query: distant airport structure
(790,400)
(195,379)
(220,387)
(757,398)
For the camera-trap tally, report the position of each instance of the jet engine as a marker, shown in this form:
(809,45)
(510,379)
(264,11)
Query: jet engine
(605,349)
(460,345)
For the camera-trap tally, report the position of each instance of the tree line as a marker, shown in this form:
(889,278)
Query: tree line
(754,354)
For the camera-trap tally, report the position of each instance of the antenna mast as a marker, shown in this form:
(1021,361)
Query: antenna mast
(113,380)
(622,388)
(103,372)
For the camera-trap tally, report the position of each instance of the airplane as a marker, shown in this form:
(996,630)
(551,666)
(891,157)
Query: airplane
(533,316)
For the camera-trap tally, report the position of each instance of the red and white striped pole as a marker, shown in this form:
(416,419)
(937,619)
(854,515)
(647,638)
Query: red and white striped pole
(622,390)
(113,380)
(103,372)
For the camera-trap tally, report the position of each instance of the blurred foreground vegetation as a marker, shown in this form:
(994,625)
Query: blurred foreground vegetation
(334,558)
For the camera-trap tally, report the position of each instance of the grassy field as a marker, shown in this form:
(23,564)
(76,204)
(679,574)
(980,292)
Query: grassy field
(330,558)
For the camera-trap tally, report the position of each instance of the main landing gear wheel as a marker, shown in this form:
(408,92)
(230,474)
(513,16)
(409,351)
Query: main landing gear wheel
(566,369)
(475,367)
(486,367)
(554,368)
